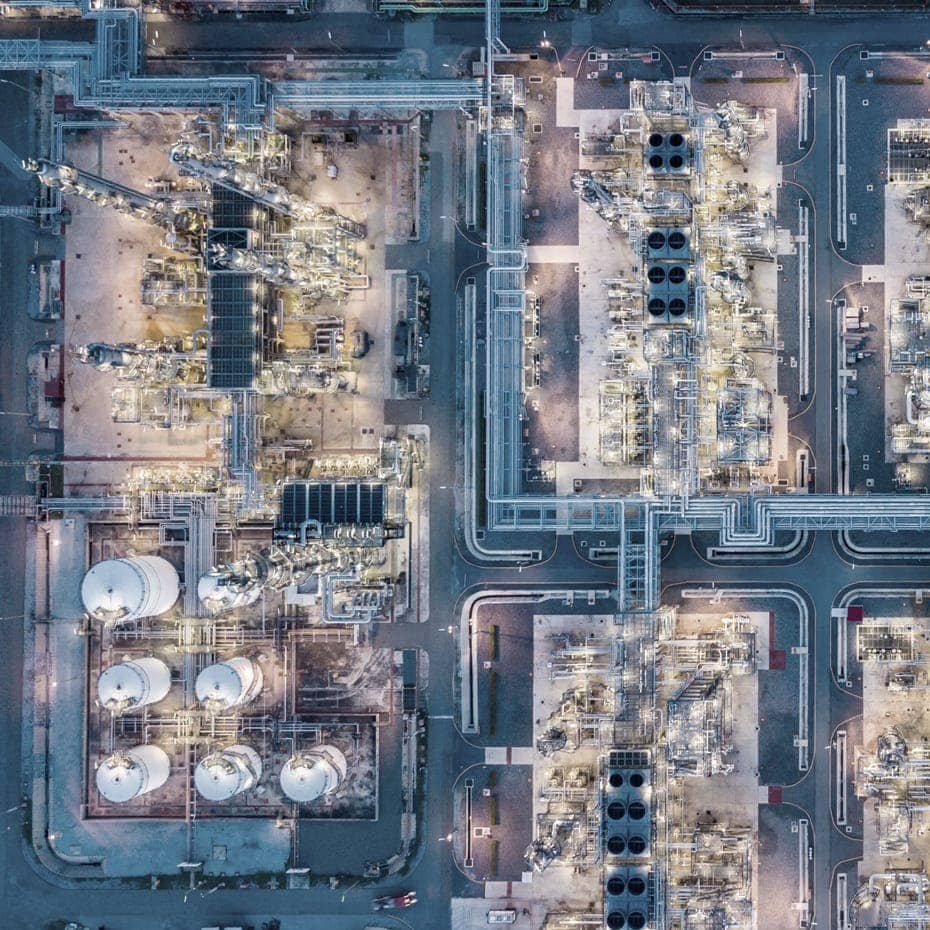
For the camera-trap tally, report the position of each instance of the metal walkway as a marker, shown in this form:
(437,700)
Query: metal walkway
(506,279)
(378,95)
(120,504)
(105,74)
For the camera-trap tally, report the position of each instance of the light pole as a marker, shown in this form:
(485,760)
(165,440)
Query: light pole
(15,84)
(342,900)
(547,43)
(460,231)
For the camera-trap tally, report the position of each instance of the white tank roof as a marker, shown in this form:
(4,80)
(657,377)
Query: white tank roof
(224,774)
(122,590)
(226,684)
(133,684)
(309,775)
(219,597)
(128,774)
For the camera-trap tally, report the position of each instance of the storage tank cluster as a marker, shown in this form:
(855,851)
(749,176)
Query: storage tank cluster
(308,775)
(221,687)
(125,590)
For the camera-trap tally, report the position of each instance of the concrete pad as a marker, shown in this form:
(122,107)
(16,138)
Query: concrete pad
(472,913)
(553,254)
(494,890)
(509,755)
(563,886)
(565,113)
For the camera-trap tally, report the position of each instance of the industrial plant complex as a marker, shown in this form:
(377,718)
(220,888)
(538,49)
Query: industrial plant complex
(465,464)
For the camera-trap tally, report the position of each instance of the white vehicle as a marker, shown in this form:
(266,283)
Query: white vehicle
(505,915)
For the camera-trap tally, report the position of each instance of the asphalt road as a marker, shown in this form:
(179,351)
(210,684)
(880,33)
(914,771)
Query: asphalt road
(27,898)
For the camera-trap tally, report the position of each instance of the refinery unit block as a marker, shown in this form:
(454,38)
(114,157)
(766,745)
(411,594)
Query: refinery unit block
(689,400)
(645,781)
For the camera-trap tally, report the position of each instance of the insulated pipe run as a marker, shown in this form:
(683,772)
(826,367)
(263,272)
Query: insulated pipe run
(315,525)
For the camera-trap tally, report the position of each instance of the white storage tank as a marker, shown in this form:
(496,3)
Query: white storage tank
(311,773)
(220,592)
(130,773)
(224,774)
(133,684)
(122,590)
(225,685)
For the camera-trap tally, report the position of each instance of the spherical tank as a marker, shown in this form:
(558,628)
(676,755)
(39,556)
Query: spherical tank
(130,773)
(121,590)
(225,685)
(310,774)
(224,774)
(133,684)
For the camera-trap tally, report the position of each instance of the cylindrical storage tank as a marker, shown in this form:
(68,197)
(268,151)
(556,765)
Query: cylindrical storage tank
(224,774)
(218,596)
(228,684)
(121,590)
(133,684)
(130,773)
(310,774)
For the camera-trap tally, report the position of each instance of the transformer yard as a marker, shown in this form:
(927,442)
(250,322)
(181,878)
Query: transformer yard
(464,465)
